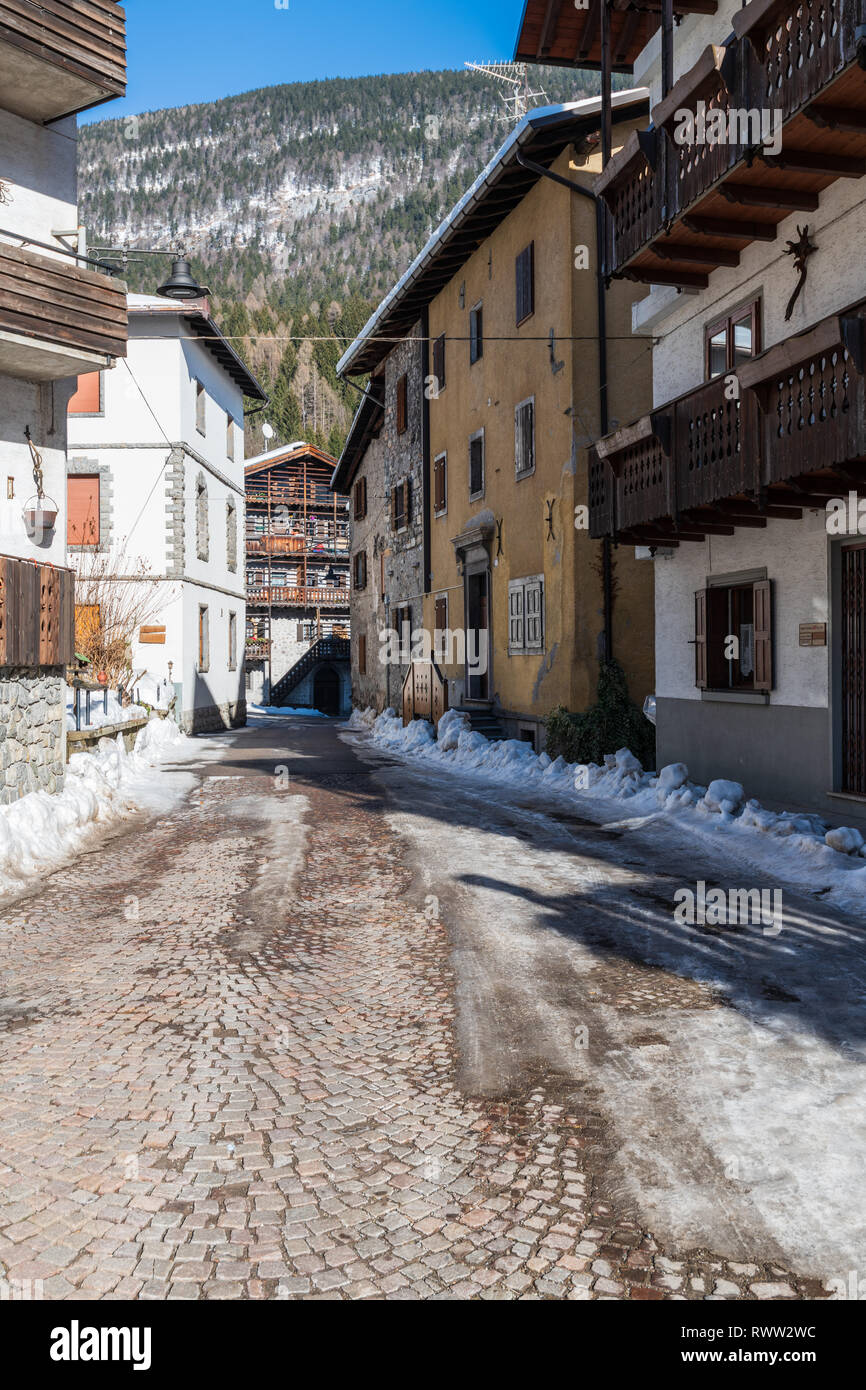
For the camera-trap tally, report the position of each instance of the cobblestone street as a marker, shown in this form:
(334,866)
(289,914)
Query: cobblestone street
(230,1070)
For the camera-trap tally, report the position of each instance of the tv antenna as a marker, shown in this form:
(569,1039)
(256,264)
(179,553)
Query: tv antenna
(517,94)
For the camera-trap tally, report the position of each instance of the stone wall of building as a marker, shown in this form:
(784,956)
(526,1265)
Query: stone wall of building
(211,719)
(32,731)
(403,458)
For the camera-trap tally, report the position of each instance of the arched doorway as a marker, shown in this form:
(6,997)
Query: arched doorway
(326,690)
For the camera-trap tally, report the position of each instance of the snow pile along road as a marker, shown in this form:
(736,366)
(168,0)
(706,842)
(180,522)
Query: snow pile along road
(793,846)
(41,832)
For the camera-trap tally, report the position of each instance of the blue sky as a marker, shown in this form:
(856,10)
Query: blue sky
(183,51)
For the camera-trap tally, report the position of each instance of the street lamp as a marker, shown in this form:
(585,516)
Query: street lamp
(181,283)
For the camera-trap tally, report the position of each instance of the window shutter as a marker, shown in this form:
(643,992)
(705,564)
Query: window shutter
(393,509)
(407,501)
(439,482)
(82,509)
(534,614)
(300,636)
(439,361)
(515,615)
(441,614)
(701,639)
(763,603)
(362,653)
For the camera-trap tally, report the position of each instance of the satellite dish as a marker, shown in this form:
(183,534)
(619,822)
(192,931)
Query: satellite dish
(267,430)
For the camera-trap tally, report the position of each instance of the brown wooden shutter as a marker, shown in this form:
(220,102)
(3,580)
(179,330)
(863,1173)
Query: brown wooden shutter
(407,501)
(439,361)
(441,610)
(82,509)
(393,509)
(439,484)
(362,653)
(701,639)
(402,404)
(762,593)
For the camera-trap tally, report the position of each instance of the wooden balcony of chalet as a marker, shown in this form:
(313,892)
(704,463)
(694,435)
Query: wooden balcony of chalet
(294,543)
(59,57)
(705,464)
(57,319)
(677,211)
(297,596)
(266,492)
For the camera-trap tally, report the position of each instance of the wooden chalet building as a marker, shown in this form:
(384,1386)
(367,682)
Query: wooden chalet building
(742,209)
(60,317)
(297,549)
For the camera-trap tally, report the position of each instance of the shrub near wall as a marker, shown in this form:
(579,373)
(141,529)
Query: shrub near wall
(613,722)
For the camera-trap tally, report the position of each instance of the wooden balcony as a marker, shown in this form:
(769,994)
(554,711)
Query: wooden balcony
(57,319)
(37,614)
(316,496)
(678,211)
(295,544)
(58,57)
(704,464)
(257,649)
(297,597)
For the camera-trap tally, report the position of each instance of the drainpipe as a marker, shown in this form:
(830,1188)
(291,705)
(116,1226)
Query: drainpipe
(424,358)
(601,337)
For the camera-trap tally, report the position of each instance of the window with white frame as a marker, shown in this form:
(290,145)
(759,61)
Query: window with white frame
(524,437)
(526,615)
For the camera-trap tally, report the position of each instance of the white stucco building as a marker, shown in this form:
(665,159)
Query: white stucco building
(738,486)
(59,317)
(156,481)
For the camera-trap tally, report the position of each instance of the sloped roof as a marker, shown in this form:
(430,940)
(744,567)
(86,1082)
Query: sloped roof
(541,135)
(198,317)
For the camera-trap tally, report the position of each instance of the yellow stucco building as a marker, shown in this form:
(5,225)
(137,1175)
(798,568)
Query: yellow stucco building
(508,294)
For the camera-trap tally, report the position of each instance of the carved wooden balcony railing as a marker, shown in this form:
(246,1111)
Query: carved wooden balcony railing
(707,463)
(58,57)
(678,209)
(298,596)
(57,319)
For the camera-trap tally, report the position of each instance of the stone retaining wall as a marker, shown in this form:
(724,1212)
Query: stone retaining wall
(32,731)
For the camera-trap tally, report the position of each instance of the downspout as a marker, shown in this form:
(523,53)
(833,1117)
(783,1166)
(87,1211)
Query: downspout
(424,358)
(601,341)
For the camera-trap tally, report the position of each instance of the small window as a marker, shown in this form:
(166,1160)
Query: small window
(233,641)
(401,505)
(360,498)
(402,404)
(200,408)
(440,484)
(359,569)
(526,615)
(230,438)
(82,509)
(476,333)
(524,273)
(733,636)
(440,625)
(362,653)
(203,639)
(202,529)
(231,535)
(439,362)
(732,340)
(524,437)
(476,464)
(403,628)
(88,396)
